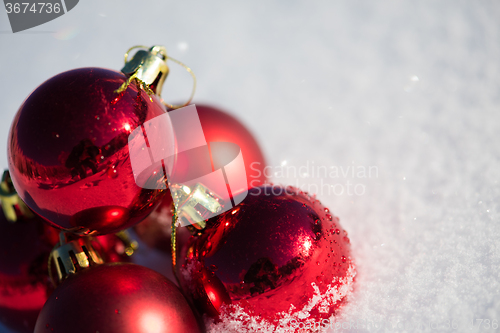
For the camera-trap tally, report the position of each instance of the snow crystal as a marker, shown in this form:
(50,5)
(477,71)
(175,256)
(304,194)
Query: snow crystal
(234,319)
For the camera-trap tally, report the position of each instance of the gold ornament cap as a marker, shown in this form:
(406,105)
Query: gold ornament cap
(195,205)
(71,257)
(12,205)
(149,67)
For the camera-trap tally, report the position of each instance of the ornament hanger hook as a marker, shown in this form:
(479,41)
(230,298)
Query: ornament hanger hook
(193,90)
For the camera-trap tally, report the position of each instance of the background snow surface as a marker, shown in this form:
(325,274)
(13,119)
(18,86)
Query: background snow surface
(410,89)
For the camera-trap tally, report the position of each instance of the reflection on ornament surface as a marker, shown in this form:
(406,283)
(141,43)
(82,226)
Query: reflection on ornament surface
(68,151)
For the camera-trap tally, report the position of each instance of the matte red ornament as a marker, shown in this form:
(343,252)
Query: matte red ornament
(68,151)
(125,298)
(24,282)
(276,259)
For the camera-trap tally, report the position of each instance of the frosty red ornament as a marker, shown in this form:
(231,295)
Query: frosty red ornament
(117,298)
(276,257)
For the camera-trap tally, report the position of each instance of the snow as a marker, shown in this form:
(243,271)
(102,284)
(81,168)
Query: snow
(234,318)
(410,88)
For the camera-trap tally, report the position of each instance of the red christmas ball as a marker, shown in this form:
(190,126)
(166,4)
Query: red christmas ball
(24,282)
(68,151)
(276,259)
(117,298)
(217,126)
(220,126)
(25,246)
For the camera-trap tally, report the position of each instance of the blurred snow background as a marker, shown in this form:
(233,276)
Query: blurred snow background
(412,88)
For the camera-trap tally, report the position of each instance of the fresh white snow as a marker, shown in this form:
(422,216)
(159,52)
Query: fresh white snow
(408,90)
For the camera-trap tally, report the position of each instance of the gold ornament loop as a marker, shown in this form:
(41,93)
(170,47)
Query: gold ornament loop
(190,71)
(133,48)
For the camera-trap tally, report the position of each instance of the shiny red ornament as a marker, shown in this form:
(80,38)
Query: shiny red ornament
(217,126)
(69,156)
(125,298)
(25,246)
(220,126)
(277,259)
(24,282)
